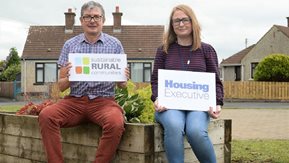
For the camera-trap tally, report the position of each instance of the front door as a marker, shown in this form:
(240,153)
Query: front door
(237,73)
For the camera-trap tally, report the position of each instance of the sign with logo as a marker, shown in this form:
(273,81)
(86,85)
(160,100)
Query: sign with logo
(186,90)
(97,67)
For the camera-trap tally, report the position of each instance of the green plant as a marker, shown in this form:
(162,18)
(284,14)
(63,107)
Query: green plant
(13,58)
(147,115)
(10,73)
(11,66)
(132,105)
(33,109)
(274,67)
(144,112)
(136,103)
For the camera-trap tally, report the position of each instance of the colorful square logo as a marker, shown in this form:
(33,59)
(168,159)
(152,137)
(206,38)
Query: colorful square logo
(86,69)
(82,65)
(77,61)
(78,70)
(85,60)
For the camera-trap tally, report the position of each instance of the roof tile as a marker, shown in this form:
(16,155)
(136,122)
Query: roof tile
(139,41)
(237,58)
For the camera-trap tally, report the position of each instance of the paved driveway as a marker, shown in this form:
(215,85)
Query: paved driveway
(269,122)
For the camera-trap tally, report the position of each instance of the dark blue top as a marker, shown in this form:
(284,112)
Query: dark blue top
(204,59)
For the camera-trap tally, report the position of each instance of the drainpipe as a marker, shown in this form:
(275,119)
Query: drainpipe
(24,81)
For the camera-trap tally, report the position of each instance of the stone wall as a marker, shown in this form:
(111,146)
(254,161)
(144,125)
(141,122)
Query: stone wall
(20,141)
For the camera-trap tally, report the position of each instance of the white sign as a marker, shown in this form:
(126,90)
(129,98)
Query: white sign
(186,90)
(97,67)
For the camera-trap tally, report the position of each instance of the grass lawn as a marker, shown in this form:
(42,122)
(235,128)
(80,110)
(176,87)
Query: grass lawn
(10,108)
(243,151)
(260,151)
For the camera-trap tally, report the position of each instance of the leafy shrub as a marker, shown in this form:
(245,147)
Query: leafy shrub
(33,109)
(131,104)
(11,66)
(136,103)
(10,73)
(147,115)
(274,67)
(142,110)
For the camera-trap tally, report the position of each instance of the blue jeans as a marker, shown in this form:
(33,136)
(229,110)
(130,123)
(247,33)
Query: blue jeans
(193,124)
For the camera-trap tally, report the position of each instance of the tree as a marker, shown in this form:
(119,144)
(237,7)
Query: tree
(11,67)
(2,66)
(10,73)
(13,58)
(274,67)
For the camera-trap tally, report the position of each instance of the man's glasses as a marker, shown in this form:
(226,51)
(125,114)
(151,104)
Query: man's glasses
(88,18)
(178,21)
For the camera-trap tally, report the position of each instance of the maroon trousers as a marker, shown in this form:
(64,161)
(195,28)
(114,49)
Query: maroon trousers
(72,111)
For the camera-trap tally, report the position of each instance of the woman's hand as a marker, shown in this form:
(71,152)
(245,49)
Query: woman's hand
(159,108)
(215,114)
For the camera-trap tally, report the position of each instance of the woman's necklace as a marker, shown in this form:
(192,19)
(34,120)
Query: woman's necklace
(185,67)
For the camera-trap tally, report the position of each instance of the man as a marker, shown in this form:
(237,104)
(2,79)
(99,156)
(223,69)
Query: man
(88,101)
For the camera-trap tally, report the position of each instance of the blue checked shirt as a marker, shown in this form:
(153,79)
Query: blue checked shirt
(78,44)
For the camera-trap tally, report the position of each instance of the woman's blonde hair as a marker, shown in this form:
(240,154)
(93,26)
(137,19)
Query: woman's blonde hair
(171,37)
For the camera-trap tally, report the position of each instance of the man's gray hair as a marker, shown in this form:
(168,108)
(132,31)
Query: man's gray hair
(91,5)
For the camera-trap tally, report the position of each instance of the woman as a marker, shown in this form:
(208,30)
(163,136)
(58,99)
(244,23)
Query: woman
(182,49)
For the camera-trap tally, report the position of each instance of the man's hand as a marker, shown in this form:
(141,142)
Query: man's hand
(123,84)
(64,71)
(63,82)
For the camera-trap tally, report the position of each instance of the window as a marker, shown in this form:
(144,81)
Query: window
(253,69)
(147,72)
(46,72)
(39,73)
(140,71)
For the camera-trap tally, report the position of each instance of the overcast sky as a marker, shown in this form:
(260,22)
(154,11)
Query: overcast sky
(226,24)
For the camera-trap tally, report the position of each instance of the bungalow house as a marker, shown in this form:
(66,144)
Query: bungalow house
(44,44)
(241,66)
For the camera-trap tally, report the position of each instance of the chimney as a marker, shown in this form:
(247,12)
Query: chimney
(69,21)
(117,20)
(287,21)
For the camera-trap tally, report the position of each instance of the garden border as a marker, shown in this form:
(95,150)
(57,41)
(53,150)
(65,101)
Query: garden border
(20,141)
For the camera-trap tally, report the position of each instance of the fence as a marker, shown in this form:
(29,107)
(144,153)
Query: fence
(10,89)
(242,90)
(253,90)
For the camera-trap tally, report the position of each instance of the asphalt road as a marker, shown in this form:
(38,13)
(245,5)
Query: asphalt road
(233,105)
(261,105)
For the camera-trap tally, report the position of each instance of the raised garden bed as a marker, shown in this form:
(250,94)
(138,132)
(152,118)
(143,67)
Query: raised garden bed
(20,141)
